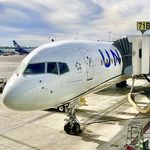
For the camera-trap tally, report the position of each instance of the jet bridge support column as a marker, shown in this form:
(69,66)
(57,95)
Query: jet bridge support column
(136,55)
(145,55)
(141,66)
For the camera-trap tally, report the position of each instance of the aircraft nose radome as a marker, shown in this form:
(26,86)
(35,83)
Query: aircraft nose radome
(20,97)
(10,102)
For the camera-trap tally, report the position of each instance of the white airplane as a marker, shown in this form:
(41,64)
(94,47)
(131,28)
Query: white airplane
(7,52)
(62,72)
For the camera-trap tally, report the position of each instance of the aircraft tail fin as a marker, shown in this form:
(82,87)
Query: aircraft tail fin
(19,49)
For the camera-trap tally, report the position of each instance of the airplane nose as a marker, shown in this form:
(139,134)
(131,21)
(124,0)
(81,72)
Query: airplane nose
(18,97)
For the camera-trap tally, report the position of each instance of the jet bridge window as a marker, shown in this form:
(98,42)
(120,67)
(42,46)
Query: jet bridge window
(37,68)
(52,68)
(63,68)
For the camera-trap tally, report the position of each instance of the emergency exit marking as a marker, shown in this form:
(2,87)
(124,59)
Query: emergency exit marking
(143,26)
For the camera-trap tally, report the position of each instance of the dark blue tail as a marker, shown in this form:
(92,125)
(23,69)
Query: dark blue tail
(19,49)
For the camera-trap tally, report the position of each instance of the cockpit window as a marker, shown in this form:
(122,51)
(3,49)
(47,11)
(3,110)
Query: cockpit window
(52,68)
(63,68)
(57,68)
(37,68)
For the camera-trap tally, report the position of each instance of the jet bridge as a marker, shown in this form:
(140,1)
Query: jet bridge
(140,67)
(135,53)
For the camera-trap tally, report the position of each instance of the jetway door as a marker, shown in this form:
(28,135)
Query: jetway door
(141,55)
(89,63)
(146,55)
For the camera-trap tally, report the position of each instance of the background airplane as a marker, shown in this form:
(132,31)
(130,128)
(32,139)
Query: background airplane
(20,49)
(7,52)
(62,72)
(1,52)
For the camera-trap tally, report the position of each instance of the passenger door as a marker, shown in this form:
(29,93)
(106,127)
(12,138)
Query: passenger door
(89,63)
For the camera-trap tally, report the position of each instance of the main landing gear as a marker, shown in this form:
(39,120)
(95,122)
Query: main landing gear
(63,108)
(121,84)
(72,126)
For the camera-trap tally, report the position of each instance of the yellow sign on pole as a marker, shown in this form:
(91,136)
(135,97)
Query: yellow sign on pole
(143,25)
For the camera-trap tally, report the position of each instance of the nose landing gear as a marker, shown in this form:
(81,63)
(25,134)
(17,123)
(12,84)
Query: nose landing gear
(72,126)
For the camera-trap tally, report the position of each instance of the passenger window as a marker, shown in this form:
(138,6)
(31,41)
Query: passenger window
(63,68)
(35,68)
(52,68)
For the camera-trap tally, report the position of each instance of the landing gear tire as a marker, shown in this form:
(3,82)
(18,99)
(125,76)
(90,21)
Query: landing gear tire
(76,128)
(1,90)
(72,129)
(61,108)
(67,128)
(121,84)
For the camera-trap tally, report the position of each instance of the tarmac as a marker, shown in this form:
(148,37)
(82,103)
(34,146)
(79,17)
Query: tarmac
(105,118)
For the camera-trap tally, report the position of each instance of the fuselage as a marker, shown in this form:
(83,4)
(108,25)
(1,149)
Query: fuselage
(58,72)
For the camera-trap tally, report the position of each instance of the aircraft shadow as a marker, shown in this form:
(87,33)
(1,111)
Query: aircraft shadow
(113,90)
(142,90)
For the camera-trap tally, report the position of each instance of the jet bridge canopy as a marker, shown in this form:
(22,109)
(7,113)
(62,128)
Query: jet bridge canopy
(125,48)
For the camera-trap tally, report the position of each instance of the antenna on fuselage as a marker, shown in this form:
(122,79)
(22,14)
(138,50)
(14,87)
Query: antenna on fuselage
(52,40)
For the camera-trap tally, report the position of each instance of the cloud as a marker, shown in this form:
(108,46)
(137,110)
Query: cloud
(18,16)
(35,19)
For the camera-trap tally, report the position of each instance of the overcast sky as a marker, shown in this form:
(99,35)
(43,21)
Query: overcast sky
(32,22)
